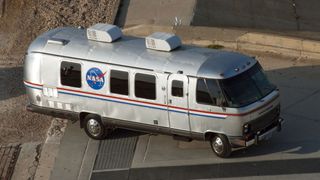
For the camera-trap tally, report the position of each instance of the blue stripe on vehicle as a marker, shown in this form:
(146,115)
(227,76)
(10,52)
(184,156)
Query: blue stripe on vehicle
(151,107)
(207,116)
(177,111)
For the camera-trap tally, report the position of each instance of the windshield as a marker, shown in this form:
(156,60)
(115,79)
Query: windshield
(247,87)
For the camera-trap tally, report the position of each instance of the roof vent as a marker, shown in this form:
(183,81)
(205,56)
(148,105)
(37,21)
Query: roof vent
(104,32)
(162,41)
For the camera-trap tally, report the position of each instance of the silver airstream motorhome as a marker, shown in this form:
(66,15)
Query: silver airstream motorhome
(154,84)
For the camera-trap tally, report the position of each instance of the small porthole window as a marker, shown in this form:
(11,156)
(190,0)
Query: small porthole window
(177,88)
(70,74)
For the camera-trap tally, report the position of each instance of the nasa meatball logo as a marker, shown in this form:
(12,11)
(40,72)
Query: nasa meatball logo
(95,78)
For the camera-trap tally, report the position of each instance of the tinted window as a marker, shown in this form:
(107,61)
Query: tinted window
(177,88)
(207,91)
(247,87)
(70,74)
(145,86)
(119,82)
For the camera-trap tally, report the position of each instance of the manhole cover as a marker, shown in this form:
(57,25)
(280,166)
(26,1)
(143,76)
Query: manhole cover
(8,159)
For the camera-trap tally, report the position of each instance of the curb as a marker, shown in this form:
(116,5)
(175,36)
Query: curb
(27,161)
(236,39)
(50,149)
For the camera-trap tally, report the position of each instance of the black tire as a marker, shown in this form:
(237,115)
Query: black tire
(220,145)
(92,121)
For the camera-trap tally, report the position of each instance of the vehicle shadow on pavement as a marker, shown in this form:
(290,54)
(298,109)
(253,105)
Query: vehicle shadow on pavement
(123,133)
(11,82)
(299,95)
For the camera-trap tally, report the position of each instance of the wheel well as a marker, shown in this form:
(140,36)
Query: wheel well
(82,115)
(209,135)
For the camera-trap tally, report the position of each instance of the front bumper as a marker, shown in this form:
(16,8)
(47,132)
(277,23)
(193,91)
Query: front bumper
(237,142)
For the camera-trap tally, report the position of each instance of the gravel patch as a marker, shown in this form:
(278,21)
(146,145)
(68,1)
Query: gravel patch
(20,23)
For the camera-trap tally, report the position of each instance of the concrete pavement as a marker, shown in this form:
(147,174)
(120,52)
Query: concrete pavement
(27,162)
(294,43)
(76,155)
(156,12)
(263,14)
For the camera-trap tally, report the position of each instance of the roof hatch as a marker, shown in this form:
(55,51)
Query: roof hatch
(162,41)
(57,41)
(104,32)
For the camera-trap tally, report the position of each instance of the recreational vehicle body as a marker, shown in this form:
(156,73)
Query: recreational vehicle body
(184,91)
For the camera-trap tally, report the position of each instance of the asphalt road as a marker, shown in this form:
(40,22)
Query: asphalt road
(294,153)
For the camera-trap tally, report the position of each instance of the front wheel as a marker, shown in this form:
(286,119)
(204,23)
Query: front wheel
(94,127)
(220,145)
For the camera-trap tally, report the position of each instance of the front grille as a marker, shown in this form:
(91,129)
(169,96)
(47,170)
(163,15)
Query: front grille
(265,120)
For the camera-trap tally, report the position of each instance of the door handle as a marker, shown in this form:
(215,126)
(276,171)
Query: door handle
(170,101)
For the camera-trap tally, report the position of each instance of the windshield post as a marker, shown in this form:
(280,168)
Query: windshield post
(215,94)
(210,94)
(222,97)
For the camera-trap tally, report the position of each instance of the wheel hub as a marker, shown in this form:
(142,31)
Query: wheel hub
(218,145)
(94,127)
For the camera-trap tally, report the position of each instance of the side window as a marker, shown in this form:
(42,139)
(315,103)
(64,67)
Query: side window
(70,74)
(207,91)
(177,88)
(145,86)
(119,83)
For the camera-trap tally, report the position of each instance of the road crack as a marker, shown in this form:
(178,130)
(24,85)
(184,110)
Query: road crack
(35,163)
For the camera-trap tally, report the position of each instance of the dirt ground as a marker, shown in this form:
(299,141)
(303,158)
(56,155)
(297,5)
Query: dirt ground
(20,22)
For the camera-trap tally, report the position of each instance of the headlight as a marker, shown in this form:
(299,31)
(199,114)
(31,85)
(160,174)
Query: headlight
(246,128)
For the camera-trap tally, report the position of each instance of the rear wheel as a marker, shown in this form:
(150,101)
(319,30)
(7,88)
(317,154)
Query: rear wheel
(94,127)
(220,145)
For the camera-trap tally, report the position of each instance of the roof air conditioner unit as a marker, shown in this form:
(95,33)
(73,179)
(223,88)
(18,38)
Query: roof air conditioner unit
(104,32)
(162,41)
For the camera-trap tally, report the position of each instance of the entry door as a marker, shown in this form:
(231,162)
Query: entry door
(178,102)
